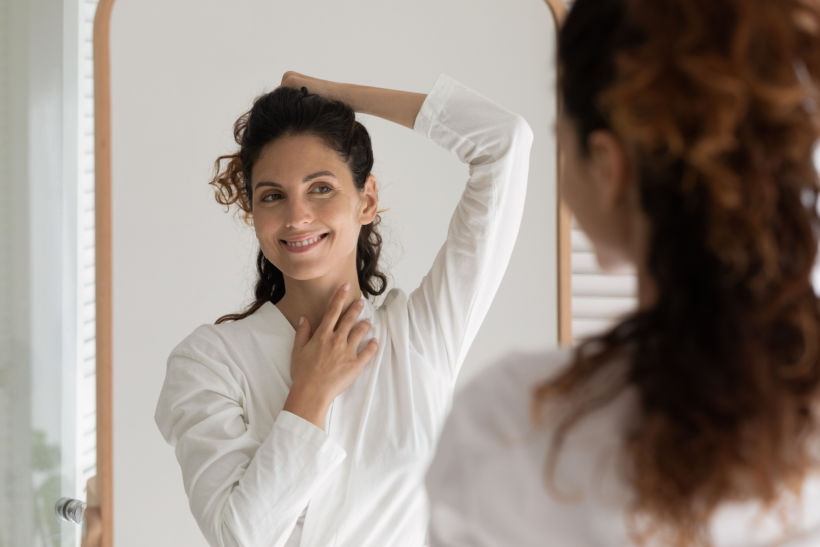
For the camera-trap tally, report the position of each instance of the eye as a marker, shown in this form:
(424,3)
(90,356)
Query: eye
(322,188)
(273,196)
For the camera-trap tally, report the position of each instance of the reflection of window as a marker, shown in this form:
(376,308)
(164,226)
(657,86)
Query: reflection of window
(86,420)
(85,224)
(598,299)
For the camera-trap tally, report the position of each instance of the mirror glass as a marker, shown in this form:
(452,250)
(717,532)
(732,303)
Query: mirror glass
(183,71)
(47,329)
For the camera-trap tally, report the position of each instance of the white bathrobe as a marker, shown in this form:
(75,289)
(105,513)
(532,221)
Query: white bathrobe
(487,481)
(250,469)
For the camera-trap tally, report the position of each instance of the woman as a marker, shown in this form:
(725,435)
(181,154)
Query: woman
(688,128)
(310,418)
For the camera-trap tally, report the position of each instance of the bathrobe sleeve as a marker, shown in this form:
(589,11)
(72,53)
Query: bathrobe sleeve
(243,491)
(446,310)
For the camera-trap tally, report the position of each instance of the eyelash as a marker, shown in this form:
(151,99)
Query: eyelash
(328,186)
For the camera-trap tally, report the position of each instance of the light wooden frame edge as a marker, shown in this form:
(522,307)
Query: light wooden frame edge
(558,9)
(103,265)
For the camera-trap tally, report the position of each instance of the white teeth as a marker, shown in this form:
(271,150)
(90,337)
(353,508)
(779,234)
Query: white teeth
(304,243)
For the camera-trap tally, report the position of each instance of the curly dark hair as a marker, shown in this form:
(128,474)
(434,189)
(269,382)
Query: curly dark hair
(288,111)
(716,102)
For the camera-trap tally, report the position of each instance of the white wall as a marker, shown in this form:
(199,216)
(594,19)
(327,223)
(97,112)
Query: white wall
(183,71)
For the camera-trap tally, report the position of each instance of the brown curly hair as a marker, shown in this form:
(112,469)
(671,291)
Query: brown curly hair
(288,111)
(716,102)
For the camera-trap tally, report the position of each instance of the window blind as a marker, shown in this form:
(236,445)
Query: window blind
(86,324)
(598,298)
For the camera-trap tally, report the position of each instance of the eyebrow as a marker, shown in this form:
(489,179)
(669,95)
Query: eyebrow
(308,178)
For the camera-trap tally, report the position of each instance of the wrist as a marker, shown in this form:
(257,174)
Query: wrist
(341,92)
(327,88)
(308,403)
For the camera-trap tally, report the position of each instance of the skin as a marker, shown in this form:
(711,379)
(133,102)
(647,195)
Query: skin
(600,189)
(302,188)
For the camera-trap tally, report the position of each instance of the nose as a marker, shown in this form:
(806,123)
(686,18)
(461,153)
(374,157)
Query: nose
(299,213)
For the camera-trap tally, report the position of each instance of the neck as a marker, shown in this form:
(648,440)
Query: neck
(647,293)
(309,298)
(640,236)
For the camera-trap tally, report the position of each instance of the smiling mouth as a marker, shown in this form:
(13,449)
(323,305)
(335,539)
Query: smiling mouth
(303,243)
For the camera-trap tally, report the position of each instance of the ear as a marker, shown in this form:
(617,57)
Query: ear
(369,201)
(609,167)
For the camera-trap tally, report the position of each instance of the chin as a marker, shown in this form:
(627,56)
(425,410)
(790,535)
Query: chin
(611,263)
(304,274)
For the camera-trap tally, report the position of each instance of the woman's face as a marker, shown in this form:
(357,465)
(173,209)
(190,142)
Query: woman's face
(307,212)
(596,188)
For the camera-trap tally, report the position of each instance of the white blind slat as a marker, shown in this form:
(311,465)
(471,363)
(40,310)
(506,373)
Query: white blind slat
(86,290)
(598,298)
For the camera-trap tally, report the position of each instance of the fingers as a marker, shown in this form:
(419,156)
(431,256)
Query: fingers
(289,78)
(367,352)
(349,318)
(334,310)
(358,333)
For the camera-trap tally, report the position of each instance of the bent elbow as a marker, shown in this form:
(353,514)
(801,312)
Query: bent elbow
(513,136)
(521,130)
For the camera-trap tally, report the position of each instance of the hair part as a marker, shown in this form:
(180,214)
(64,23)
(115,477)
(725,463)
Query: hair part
(715,100)
(286,112)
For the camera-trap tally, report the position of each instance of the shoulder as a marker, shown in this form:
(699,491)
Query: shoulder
(496,406)
(221,338)
(509,384)
(488,473)
(222,353)
(524,367)
(488,460)
(203,357)
(204,368)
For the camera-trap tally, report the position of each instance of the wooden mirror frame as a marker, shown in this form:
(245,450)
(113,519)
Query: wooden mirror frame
(558,8)
(103,264)
(102,211)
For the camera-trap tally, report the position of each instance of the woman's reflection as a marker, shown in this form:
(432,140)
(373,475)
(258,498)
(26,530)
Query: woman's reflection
(309,418)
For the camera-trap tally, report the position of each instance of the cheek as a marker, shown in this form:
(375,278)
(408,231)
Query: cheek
(339,215)
(604,230)
(265,223)
(577,195)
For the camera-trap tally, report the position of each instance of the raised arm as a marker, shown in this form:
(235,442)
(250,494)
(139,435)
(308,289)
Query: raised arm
(400,107)
(445,312)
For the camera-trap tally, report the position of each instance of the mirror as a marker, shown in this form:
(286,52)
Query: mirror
(179,261)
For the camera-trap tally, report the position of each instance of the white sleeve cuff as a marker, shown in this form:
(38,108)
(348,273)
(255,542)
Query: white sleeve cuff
(310,434)
(434,103)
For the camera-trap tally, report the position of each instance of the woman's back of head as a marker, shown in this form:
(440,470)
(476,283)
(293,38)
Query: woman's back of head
(715,102)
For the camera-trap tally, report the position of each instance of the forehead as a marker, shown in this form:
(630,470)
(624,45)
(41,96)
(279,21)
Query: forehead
(291,157)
